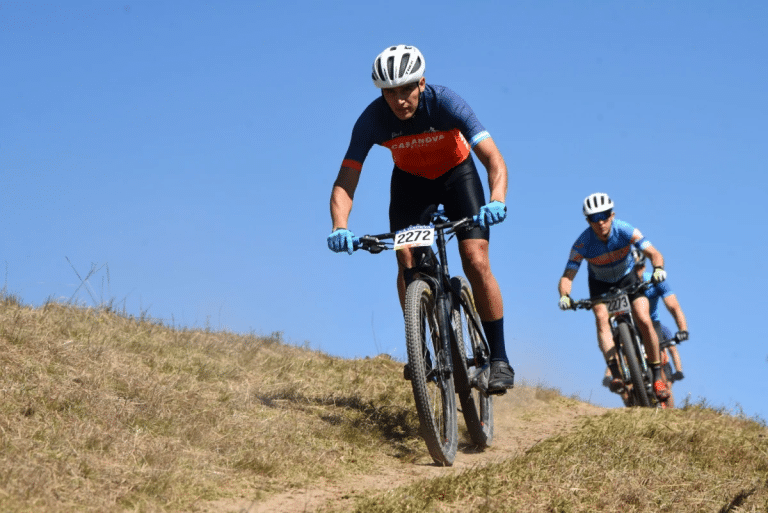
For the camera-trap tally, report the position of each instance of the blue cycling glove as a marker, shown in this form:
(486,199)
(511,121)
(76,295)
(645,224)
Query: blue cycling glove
(492,213)
(341,240)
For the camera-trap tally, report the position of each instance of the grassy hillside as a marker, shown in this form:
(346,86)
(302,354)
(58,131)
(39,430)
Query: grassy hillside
(101,411)
(626,460)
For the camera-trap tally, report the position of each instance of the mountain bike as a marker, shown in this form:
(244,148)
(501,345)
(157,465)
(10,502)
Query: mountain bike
(633,362)
(448,353)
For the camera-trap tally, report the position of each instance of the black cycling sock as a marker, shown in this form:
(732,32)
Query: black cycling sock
(494,332)
(656,368)
(613,365)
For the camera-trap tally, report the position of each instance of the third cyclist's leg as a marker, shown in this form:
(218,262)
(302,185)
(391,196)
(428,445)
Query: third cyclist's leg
(490,308)
(678,375)
(651,341)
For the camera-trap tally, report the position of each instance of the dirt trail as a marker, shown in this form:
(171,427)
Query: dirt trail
(521,421)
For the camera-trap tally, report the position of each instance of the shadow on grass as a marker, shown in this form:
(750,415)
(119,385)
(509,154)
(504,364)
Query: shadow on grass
(393,424)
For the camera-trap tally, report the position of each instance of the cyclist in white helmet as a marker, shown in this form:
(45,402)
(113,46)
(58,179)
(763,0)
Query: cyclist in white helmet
(607,247)
(430,131)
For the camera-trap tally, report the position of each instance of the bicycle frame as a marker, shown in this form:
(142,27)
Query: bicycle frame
(445,295)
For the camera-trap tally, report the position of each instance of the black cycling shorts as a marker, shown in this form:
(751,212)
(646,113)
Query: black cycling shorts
(459,190)
(597,287)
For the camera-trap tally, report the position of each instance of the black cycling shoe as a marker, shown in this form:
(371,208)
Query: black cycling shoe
(501,379)
(616,386)
(677,376)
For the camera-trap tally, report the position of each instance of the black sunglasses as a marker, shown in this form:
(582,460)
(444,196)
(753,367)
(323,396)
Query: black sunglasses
(600,216)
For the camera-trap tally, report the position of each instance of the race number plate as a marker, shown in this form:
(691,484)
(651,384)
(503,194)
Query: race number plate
(414,236)
(619,305)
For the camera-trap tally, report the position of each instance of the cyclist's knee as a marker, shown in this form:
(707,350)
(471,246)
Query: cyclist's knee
(476,262)
(601,317)
(404,258)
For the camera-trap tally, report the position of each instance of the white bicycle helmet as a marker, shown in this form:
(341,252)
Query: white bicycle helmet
(596,203)
(398,65)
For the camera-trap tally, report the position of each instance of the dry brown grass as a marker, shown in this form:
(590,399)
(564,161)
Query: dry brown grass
(101,411)
(629,460)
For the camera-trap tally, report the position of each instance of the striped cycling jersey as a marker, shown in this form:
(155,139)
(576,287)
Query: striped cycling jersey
(608,261)
(654,292)
(435,139)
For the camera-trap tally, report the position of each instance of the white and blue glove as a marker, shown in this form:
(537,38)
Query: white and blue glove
(341,240)
(565,302)
(659,275)
(492,213)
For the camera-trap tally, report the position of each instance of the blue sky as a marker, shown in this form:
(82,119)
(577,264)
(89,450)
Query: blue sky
(185,152)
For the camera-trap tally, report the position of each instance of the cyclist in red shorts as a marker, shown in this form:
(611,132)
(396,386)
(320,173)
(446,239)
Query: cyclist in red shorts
(430,131)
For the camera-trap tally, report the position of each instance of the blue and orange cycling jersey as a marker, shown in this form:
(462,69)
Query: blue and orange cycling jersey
(437,138)
(654,292)
(608,261)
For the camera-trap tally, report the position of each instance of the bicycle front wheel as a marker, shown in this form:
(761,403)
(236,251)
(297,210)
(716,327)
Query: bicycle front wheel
(432,383)
(635,371)
(472,366)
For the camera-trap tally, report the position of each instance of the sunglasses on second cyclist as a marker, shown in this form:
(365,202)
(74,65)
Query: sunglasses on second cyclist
(600,216)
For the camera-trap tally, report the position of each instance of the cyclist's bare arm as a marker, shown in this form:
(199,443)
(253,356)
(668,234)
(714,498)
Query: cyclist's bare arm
(491,158)
(677,312)
(342,195)
(566,282)
(654,256)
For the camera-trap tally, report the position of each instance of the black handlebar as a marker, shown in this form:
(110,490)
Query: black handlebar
(378,243)
(587,304)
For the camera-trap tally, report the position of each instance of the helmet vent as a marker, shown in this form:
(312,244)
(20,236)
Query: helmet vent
(417,66)
(391,68)
(403,64)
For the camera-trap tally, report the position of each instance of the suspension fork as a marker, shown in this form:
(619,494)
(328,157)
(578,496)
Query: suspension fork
(619,347)
(443,305)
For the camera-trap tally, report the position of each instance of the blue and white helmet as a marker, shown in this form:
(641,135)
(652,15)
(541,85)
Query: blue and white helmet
(596,203)
(398,65)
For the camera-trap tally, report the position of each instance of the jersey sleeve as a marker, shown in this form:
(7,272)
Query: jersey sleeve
(664,289)
(577,254)
(460,115)
(637,238)
(362,140)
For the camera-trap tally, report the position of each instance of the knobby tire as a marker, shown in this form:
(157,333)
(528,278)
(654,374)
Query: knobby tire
(635,370)
(470,352)
(433,388)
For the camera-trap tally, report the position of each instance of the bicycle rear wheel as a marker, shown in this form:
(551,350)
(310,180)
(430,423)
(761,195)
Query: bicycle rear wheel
(472,355)
(433,389)
(635,371)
